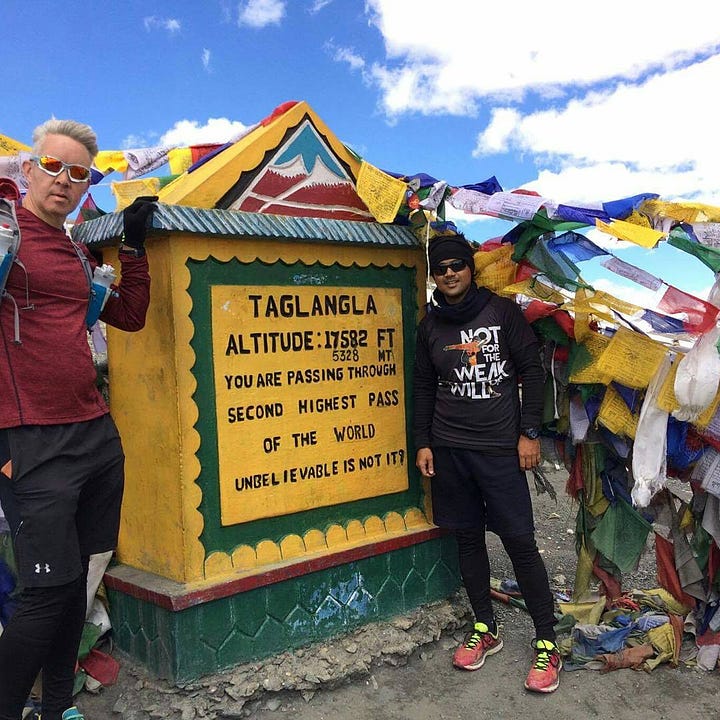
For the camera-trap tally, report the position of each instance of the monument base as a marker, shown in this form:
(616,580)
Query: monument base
(183,631)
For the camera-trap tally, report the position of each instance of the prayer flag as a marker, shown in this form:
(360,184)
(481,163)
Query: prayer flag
(8,146)
(643,236)
(381,193)
(700,314)
(575,247)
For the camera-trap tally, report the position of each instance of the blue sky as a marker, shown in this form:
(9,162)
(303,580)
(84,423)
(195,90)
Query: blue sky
(581,107)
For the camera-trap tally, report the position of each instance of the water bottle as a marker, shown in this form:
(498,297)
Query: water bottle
(7,238)
(103,277)
(7,248)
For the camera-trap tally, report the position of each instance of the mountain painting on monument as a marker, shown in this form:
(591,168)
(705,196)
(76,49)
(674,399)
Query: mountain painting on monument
(302,178)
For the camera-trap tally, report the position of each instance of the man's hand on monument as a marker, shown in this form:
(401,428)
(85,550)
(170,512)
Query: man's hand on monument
(135,220)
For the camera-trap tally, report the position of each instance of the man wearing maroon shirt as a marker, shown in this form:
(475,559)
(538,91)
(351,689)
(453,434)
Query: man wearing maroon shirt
(60,452)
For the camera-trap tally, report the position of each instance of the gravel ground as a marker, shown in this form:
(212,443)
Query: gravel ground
(402,669)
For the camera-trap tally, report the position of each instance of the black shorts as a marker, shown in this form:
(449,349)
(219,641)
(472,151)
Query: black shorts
(471,490)
(67,485)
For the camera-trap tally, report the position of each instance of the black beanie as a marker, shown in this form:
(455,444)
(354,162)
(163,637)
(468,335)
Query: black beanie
(447,247)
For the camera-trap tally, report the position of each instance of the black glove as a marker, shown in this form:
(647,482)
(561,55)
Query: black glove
(137,217)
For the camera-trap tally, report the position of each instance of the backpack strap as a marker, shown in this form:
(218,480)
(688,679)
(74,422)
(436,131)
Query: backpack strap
(10,234)
(84,262)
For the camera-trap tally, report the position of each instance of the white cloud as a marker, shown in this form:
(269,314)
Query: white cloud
(138,141)
(349,56)
(318,5)
(171,25)
(468,50)
(644,138)
(190,132)
(603,109)
(205,58)
(226,11)
(259,13)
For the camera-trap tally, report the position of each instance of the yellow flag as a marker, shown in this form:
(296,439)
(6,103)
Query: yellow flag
(632,359)
(643,236)
(8,146)
(380,192)
(682,212)
(596,345)
(108,160)
(180,160)
(127,190)
(495,269)
(532,287)
(615,415)
(599,304)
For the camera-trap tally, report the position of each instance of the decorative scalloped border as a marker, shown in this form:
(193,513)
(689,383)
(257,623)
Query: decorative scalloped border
(292,547)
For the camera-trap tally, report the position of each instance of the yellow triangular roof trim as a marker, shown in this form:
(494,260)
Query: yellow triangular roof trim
(204,187)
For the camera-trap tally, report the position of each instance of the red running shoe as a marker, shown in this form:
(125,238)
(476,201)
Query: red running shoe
(544,675)
(477,646)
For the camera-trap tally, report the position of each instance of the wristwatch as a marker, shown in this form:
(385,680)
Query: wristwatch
(133,251)
(533,433)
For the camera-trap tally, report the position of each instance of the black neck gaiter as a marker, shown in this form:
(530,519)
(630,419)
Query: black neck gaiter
(461,312)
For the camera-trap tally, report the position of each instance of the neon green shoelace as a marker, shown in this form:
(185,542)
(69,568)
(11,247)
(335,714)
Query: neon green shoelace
(473,640)
(542,660)
(544,650)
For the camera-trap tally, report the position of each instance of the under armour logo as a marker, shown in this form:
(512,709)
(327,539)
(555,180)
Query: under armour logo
(39,568)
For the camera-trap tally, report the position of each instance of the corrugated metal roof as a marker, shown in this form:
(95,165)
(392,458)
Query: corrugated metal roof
(106,229)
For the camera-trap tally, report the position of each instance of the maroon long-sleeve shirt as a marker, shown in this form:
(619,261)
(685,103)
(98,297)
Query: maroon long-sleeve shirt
(49,378)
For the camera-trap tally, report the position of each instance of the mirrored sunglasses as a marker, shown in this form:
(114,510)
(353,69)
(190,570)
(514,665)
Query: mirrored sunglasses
(456,266)
(52,166)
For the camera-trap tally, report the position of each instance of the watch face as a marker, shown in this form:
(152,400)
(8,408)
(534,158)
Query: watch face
(533,433)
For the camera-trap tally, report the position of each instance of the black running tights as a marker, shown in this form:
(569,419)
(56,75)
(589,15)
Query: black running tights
(530,574)
(43,635)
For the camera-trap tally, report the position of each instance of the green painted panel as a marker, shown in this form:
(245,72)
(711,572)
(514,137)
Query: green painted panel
(249,611)
(413,589)
(282,602)
(272,637)
(440,578)
(309,592)
(261,622)
(373,573)
(236,645)
(389,598)
(133,619)
(426,556)
(343,587)
(330,615)
(149,622)
(398,563)
(361,607)
(215,623)
(204,274)
(300,625)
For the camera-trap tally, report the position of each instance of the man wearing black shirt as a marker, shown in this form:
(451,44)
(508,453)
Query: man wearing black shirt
(475,436)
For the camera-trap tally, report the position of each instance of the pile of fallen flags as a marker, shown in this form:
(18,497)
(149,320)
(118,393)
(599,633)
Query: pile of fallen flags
(640,629)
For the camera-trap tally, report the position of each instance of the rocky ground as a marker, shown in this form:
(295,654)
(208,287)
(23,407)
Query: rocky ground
(401,669)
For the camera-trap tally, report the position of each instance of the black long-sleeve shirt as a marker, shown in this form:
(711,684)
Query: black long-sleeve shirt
(466,379)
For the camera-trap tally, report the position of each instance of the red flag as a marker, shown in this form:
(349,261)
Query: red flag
(198,152)
(88,210)
(701,315)
(666,572)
